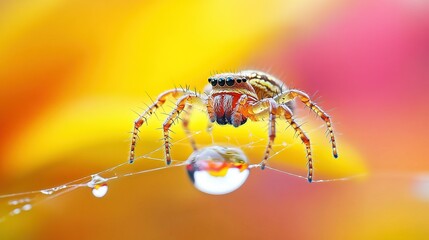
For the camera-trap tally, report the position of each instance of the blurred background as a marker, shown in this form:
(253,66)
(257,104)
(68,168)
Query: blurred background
(73,74)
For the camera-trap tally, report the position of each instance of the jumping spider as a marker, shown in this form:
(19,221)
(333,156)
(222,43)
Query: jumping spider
(232,99)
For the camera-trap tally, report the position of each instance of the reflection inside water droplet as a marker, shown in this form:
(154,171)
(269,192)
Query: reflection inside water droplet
(98,185)
(100,190)
(218,170)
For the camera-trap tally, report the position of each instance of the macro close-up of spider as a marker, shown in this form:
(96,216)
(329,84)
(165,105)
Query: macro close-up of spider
(233,98)
(220,119)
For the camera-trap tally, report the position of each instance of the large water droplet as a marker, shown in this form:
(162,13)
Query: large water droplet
(218,170)
(98,185)
(100,190)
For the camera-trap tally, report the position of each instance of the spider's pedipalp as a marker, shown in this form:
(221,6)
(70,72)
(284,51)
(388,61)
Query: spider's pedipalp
(237,118)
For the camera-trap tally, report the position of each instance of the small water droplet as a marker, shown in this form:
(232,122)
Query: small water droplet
(15,211)
(59,188)
(100,190)
(26,207)
(47,191)
(218,170)
(52,190)
(95,179)
(13,202)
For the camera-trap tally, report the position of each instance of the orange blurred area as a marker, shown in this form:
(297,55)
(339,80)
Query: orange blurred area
(75,74)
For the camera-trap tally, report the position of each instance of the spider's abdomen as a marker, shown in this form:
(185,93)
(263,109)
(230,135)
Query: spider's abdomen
(223,106)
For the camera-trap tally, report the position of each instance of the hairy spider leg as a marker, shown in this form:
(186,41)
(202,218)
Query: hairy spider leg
(284,111)
(281,111)
(210,110)
(180,105)
(265,105)
(143,118)
(185,122)
(289,95)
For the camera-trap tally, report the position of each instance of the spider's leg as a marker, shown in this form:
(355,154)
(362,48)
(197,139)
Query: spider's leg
(146,114)
(275,110)
(210,110)
(209,126)
(289,95)
(287,113)
(180,105)
(185,122)
(270,105)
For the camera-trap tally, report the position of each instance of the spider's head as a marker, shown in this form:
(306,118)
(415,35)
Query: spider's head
(226,90)
(233,83)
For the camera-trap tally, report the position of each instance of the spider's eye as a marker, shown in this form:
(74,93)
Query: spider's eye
(238,80)
(221,81)
(213,82)
(244,79)
(210,80)
(229,81)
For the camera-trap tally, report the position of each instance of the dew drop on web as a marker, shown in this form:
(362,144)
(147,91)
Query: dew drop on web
(27,207)
(98,185)
(15,211)
(217,170)
(47,191)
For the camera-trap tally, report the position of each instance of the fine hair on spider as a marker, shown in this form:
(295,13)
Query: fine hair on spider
(233,98)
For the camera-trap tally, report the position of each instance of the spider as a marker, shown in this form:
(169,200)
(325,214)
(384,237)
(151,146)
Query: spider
(232,98)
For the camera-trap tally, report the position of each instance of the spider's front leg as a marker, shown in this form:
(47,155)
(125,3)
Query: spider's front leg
(146,114)
(289,95)
(210,110)
(185,123)
(180,105)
